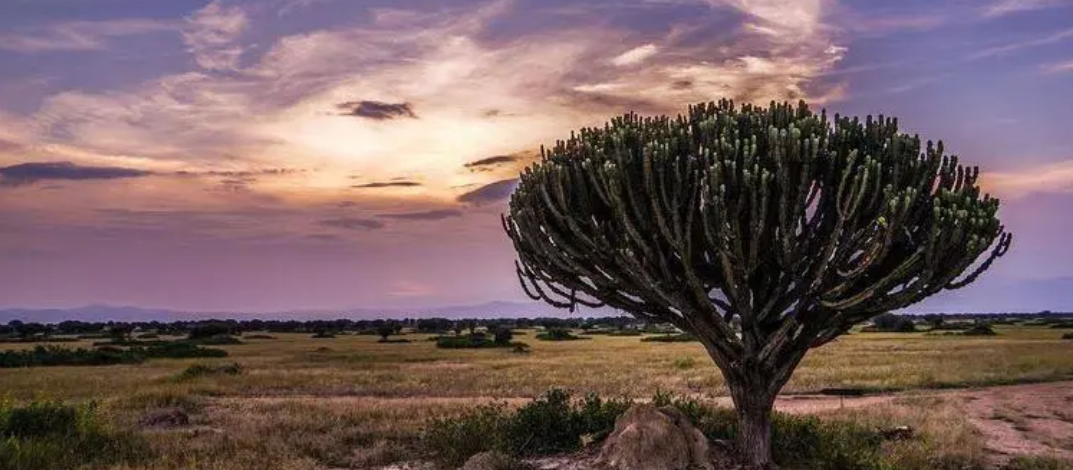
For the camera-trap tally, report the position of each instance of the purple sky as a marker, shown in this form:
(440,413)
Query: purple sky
(286,154)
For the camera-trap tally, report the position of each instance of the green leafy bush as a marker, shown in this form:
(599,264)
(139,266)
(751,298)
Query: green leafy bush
(46,356)
(558,334)
(1037,462)
(670,338)
(47,435)
(472,341)
(452,440)
(555,423)
(177,350)
(981,329)
(551,423)
(217,340)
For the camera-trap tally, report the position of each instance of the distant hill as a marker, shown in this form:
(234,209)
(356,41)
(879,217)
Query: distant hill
(105,313)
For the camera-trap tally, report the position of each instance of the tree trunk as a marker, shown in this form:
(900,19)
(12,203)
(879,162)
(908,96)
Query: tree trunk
(754,402)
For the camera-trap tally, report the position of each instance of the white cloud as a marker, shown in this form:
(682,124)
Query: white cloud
(472,97)
(1053,177)
(79,35)
(1004,49)
(210,34)
(635,56)
(1059,67)
(1005,7)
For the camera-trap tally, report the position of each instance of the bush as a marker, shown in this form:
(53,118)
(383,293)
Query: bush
(259,337)
(503,336)
(216,340)
(212,328)
(675,338)
(47,435)
(177,350)
(203,370)
(452,440)
(473,341)
(323,335)
(1067,336)
(550,424)
(389,340)
(891,323)
(1037,462)
(558,334)
(981,329)
(47,356)
(555,423)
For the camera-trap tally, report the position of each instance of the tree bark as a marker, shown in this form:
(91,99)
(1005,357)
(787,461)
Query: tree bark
(753,402)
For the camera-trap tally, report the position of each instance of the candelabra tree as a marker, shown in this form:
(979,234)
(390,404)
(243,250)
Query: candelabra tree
(793,225)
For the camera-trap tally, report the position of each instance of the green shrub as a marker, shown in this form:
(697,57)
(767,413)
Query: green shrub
(46,356)
(1067,336)
(452,440)
(981,329)
(259,337)
(1037,462)
(177,350)
(825,445)
(217,340)
(555,423)
(550,424)
(547,425)
(670,338)
(558,334)
(473,341)
(47,435)
(203,370)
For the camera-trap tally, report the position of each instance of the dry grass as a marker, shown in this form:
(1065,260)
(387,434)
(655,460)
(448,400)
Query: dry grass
(361,403)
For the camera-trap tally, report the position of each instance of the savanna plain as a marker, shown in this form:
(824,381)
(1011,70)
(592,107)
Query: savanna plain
(292,401)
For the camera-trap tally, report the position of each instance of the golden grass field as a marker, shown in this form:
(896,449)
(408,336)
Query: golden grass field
(350,402)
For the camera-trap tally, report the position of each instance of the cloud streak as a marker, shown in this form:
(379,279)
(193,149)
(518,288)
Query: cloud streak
(436,214)
(352,223)
(79,35)
(489,193)
(210,35)
(376,110)
(29,173)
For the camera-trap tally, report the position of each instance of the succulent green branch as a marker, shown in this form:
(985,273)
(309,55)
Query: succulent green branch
(797,225)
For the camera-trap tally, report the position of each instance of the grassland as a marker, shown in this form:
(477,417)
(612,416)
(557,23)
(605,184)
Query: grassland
(351,402)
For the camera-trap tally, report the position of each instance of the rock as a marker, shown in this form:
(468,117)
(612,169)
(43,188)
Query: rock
(165,418)
(492,460)
(646,437)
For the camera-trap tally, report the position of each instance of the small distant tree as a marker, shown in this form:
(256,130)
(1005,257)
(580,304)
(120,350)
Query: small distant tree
(891,323)
(503,336)
(385,330)
(935,321)
(798,225)
(120,332)
(31,330)
(209,329)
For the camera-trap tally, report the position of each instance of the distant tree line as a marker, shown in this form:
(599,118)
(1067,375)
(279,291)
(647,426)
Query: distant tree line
(16,330)
(122,331)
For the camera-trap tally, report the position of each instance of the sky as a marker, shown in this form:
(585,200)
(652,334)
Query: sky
(266,155)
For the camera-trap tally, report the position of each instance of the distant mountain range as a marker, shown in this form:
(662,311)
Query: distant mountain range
(105,313)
